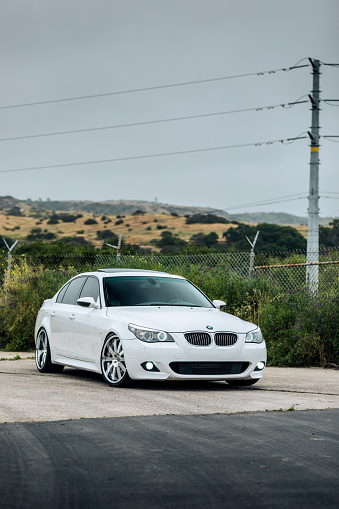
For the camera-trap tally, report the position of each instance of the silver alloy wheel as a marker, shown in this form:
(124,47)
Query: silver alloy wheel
(113,362)
(41,350)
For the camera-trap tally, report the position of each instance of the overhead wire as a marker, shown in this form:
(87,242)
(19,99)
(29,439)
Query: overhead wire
(328,138)
(150,122)
(329,101)
(148,156)
(158,87)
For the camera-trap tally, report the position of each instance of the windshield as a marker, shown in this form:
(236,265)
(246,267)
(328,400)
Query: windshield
(153,291)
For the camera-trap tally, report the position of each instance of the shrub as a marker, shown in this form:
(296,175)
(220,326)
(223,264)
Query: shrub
(90,221)
(26,292)
(38,234)
(68,218)
(53,219)
(107,235)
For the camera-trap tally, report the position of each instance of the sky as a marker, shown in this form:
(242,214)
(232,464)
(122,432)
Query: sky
(114,50)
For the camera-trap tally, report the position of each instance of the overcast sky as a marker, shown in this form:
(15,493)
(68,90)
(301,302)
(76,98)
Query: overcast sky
(73,48)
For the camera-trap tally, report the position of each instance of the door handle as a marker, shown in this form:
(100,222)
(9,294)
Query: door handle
(53,313)
(72,317)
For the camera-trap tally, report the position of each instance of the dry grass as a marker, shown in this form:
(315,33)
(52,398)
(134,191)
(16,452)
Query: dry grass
(134,228)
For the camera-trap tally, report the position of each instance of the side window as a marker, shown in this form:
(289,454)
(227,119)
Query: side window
(72,292)
(91,288)
(62,293)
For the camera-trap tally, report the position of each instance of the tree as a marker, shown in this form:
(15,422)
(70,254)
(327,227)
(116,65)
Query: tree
(201,240)
(14,211)
(205,219)
(272,238)
(329,237)
(169,244)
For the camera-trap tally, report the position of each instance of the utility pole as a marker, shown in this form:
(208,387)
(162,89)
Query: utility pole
(313,198)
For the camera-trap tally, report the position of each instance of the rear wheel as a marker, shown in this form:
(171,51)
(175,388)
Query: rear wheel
(113,366)
(43,355)
(242,383)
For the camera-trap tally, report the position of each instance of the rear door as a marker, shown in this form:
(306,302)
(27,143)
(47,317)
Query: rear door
(62,318)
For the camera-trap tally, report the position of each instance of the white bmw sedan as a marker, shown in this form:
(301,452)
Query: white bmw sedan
(131,324)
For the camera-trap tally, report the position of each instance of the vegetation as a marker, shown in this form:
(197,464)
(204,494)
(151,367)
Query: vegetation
(329,237)
(168,243)
(14,211)
(206,219)
(91,221)
(272,237)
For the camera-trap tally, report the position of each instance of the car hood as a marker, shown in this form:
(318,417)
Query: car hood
(180,319)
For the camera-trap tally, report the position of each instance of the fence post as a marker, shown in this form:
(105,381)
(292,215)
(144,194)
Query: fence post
(252,255)
(10,249)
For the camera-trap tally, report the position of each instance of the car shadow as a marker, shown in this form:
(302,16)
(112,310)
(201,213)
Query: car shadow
(163,385)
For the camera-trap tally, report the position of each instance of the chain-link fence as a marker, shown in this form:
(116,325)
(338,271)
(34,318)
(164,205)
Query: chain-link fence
(288,269)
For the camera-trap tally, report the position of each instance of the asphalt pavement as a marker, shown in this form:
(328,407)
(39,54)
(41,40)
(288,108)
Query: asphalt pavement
(252,460)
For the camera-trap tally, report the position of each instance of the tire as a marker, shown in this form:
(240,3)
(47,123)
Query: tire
(113,366)
(242,383)
(43,355)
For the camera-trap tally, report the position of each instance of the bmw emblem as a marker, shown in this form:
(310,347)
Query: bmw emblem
(209,327)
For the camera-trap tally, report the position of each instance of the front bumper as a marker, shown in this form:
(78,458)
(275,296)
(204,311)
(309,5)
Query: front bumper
(183,361)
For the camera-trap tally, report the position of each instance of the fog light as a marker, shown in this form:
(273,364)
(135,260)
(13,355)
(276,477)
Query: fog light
(259,366)
(149,366)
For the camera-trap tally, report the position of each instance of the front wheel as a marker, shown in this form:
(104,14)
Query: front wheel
(242,383)
(43,355)
(113,366)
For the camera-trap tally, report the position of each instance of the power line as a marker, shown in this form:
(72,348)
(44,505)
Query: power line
(270,202)
(148,156)
(150,122)
(328,138)
(329,101)
(159,87)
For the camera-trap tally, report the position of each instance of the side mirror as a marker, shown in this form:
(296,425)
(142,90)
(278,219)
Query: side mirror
(219,304)
(88,302)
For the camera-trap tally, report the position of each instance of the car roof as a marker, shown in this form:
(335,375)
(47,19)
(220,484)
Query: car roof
(134,272)
(131,270)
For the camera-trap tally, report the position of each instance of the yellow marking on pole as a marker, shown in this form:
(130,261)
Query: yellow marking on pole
(314,149)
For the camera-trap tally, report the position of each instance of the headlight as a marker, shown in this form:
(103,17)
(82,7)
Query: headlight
(150,335)
(255,336)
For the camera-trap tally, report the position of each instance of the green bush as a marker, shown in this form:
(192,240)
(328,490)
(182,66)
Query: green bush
(28,288)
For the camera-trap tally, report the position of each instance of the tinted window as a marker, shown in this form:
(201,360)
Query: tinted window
(73,290)
(62,293)
(153,291)
(91,288)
